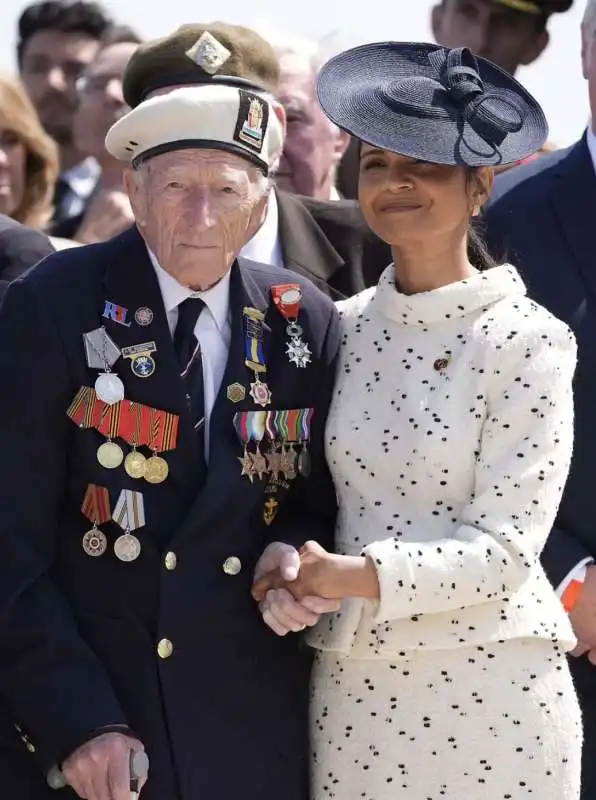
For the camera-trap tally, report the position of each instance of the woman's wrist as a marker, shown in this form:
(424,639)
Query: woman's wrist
(353,576)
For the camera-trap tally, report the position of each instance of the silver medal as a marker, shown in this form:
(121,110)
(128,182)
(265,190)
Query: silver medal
(109,388)
(127,547)
(298,352)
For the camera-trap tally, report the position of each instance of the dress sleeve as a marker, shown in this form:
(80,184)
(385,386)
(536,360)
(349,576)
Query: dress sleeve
(521,469)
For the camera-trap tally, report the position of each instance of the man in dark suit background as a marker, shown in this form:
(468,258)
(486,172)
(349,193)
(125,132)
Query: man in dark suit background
(20,248)
(541,218)
(326,241)
(126,619)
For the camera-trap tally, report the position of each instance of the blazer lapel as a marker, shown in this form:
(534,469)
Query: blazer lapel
(131,284)
(574,200)
(224,473)
(305,247)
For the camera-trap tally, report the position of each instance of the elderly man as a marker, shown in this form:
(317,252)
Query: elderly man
(540,218)
(327,241)
(163,416)
(314,146)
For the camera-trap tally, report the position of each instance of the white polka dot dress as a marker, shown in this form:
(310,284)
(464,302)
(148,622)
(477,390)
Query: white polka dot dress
(449,439)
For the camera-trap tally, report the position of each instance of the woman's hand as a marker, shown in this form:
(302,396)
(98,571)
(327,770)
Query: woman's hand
(324,575)
(314,578)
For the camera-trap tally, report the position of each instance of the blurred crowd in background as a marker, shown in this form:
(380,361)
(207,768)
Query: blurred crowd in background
(55,174)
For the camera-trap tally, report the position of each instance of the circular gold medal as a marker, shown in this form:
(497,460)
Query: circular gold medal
(157,470)
(95,543)
(135,464)
(110,455)
(127,547)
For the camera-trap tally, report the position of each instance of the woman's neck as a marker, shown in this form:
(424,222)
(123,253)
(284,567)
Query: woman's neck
(423,266)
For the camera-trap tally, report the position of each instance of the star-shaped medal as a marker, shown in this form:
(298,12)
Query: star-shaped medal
(298,352)
(274,462)
(248,467)
(259,463)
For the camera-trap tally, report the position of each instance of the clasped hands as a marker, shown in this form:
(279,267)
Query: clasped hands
(294,588)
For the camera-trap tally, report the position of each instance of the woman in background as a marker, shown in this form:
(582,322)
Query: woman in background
(28,159)
(443,676)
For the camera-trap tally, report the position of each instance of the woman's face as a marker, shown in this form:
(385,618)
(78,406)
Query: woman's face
(405,200)
(13,157)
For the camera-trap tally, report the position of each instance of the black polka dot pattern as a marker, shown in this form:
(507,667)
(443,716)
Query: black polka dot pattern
(488,722)
(449,439)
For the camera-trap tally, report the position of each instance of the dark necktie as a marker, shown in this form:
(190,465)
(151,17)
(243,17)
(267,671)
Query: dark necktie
(188,351)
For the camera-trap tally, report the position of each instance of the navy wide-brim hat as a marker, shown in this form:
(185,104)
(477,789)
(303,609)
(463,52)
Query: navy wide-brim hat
(431,103)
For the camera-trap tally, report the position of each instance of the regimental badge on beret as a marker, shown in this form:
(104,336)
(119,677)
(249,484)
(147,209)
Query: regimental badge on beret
(208,53)
(253,118)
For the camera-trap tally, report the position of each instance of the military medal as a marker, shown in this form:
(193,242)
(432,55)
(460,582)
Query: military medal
(274,461)
(235,392)
(96,507)
(142,363)
(248,467)
(102,353)
(255,355)
(164,428)
(250,427)
(286,298)
(288,462)
(135,463)
(129,514)
(110,454)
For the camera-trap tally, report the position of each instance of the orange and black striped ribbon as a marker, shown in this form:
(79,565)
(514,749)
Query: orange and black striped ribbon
(96,504)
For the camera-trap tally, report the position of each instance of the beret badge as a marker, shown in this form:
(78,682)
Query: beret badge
(208,53)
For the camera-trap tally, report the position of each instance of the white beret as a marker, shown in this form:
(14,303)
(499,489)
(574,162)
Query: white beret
(214,116)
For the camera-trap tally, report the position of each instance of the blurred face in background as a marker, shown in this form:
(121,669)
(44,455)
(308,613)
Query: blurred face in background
(51,64)
(503,35)
(101,102)
(313,145)
(13,158)
(28,158)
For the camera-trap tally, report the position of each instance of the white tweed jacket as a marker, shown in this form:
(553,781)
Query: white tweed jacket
(449,439)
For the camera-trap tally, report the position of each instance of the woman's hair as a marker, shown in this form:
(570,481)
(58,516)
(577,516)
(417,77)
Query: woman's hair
(478,252)
(18,116)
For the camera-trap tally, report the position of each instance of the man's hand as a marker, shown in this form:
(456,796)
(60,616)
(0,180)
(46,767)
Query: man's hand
(100,769)
(281,612)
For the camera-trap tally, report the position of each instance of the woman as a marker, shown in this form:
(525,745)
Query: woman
(444,674)
(28,159)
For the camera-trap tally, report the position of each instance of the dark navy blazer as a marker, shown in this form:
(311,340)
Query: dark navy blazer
(541,218)
(226,715)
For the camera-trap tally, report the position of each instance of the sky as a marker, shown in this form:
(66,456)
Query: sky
(555,79)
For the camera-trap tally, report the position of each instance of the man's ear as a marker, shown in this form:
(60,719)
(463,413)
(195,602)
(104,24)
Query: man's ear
(280,113)
(341,145)
(136,195)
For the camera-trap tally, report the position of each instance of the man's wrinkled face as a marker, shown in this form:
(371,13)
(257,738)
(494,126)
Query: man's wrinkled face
(51,64)
(196,209)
